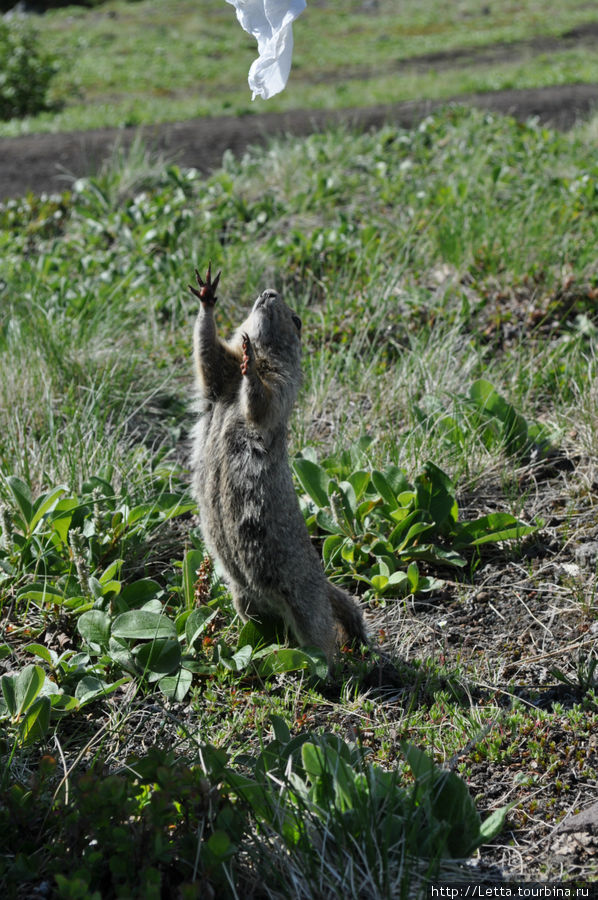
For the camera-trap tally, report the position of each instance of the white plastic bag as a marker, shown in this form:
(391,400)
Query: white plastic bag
(271,24)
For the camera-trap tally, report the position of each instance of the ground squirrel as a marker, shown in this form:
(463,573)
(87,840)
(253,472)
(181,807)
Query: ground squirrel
(250,517)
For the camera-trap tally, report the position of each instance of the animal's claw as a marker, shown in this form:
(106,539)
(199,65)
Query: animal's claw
(207,288)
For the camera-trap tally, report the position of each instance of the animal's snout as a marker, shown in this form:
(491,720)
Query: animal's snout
(265,298)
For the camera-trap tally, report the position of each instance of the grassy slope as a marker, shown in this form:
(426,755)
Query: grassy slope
(130,63)
(419,262)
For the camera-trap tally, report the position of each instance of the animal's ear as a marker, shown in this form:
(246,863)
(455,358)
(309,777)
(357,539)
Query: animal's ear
(297,323)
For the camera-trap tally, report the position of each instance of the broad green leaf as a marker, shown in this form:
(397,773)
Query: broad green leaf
(94,627)
(191,563)
(7,570)
(157,658)
(397,480)
(416,529)
(91,687)
(326,522)
(436,494)
(286,659)
(154,605)
(515,429)
(112,571)
(359,481)
(8,693)
(313,480)
(34,725)
(452,430)
(452,803)
(331,547)
(45,504)
(491,528)
(348,550)
(21,690)
(384,489)
(143,511)
(314,761)
(111,587)
(413,576)
(139,624)
(48,656)
(447,799)
(434,554)
(384,568)
(61,517)
(280,729)
(101,484)
(176,687)
(242,657)
(493,825)
(23,498)
(165,507)
(366,508)
(349,497)
(486,397)
(219,843)
(173,504)
(95,588)
(404,520)
(88,687)
(120,654)
(179,509)
(196,623)
(139,592)
(398,585)
(419,762)
(250,635)
(379,582)
(42,593)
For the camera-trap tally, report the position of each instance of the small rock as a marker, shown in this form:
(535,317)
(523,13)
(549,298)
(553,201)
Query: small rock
(587,554)
(586,820)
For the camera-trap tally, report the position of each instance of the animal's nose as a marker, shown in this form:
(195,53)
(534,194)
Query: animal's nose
(269,294)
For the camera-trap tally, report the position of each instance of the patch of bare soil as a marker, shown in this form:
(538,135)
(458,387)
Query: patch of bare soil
(50,162)
(518,634)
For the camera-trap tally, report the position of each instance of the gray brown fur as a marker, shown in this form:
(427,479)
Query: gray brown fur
(250,517)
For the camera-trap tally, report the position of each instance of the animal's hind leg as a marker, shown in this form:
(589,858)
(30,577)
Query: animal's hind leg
(249,608)
(244,602)
(315,628)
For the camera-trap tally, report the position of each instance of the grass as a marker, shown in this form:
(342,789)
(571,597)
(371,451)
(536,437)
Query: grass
(421,263)
(134,63)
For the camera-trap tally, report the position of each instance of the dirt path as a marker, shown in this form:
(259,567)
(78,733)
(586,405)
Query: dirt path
(50,162)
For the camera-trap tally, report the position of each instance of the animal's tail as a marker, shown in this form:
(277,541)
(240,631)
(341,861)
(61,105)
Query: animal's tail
(347,614)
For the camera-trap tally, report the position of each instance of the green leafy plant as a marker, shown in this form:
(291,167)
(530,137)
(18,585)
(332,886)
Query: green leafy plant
(24,705)
(376,526)
(504,425)
(25,71)
(322,797)
(585,678)
(151,829)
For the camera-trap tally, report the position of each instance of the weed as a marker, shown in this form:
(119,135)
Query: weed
(440,274)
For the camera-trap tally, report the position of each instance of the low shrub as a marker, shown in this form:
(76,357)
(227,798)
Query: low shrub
(25,71)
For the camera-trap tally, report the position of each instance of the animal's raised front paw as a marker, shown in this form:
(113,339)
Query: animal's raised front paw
(247,354)
(207,288)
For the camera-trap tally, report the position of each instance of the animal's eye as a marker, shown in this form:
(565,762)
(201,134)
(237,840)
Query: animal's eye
(297,322)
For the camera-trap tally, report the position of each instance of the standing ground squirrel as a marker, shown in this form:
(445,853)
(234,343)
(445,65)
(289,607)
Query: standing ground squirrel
(250,516)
